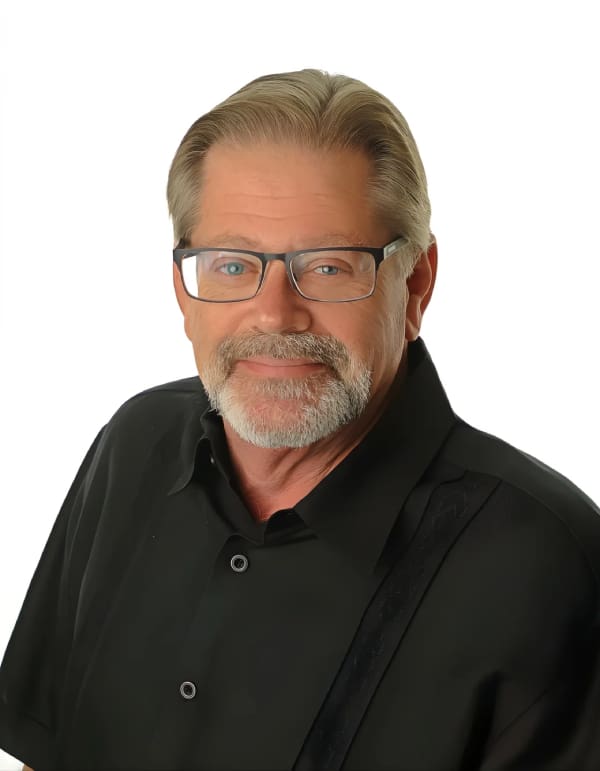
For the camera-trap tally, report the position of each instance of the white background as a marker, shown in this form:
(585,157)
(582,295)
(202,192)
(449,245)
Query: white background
(503,100)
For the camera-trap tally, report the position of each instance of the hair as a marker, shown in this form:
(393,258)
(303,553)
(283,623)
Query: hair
(316,110)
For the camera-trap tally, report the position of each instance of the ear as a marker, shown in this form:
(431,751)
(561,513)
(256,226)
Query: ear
(420,285)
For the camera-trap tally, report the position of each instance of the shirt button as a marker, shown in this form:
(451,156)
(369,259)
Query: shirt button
(239,563)
(187,689)
(212,461)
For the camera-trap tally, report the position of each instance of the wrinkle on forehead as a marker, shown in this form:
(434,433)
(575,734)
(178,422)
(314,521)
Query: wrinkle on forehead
(276,174)
(232,199)
(240,241)
(284,198)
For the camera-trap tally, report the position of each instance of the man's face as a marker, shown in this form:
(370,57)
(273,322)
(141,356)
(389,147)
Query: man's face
(285,371)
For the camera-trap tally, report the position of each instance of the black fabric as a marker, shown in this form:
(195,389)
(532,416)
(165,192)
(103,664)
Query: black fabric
(135,595)
(385,622)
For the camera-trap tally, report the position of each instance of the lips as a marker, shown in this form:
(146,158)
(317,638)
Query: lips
(269,367)
(268,361)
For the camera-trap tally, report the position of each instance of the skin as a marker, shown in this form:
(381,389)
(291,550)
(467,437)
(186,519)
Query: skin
(276,198)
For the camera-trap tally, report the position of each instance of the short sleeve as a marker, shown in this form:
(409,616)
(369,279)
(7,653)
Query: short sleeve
(560,730)
(34,662)
(558,727)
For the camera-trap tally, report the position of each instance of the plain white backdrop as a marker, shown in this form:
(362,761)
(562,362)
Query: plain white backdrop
(95,97)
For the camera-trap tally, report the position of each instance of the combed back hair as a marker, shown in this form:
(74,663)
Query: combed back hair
(316,110)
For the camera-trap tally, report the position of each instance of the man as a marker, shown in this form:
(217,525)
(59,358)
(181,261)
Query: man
(303,559)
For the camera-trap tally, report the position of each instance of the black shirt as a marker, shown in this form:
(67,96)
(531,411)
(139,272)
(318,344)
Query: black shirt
(165,628)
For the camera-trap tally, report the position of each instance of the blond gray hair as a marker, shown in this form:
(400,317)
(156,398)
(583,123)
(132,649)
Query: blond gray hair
(316,110)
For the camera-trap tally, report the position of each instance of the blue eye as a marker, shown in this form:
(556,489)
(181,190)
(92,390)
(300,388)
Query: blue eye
(327,270)
(232,268)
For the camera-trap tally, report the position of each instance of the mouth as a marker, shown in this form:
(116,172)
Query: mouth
(270,367)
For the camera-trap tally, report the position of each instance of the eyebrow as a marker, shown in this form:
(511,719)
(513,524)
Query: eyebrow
(232,240)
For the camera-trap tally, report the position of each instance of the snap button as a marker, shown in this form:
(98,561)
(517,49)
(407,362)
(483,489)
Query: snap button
(239,563)
(187,689)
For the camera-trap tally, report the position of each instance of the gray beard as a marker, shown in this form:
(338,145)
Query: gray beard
(287,412)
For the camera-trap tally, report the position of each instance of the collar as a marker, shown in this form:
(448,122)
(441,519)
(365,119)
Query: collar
(355,507)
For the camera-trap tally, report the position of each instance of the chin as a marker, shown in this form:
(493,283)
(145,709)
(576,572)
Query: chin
(273,422)
(289,412)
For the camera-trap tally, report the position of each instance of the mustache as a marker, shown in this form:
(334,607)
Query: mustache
(324,349)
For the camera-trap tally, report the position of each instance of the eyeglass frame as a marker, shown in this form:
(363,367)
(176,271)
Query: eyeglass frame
(379,254)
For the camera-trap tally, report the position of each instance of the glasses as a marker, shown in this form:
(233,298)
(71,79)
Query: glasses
(331,274)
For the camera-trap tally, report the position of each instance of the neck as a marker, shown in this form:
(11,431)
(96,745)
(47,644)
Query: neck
(275,479)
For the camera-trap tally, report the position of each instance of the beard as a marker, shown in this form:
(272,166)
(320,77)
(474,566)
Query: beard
(287,412)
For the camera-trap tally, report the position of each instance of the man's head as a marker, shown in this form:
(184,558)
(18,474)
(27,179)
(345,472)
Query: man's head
(314,110)
(290,163)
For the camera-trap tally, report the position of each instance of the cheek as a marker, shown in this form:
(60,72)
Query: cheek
(373,334)
(193,327)
(208,326)
(394,301)
(198,331)
(387,335)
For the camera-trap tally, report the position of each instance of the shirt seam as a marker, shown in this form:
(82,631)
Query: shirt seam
(573,538)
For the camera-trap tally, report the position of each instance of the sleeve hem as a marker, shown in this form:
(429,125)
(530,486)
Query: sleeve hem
(26,739)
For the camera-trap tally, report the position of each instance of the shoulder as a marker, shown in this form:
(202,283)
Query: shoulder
(141,446)
(536,516)
(516,596)
(163,410)
(163,402)
(129,471)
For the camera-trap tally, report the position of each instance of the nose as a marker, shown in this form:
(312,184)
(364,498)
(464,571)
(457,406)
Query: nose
(278,308)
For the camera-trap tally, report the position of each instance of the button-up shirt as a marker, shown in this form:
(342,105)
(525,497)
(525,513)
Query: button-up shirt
(165,628)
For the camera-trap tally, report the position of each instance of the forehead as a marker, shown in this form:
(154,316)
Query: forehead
(266,193)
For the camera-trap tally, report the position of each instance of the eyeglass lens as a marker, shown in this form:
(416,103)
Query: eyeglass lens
(334,275)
